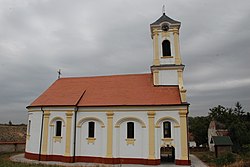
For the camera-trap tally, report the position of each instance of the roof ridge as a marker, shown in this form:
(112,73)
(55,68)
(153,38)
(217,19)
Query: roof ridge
(100,76)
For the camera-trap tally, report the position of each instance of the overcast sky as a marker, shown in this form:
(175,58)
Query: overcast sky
(87,38)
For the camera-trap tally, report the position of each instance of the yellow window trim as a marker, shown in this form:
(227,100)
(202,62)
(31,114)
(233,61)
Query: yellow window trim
(130,141)
(91,140)
(57,139)
(166,57)
(167,139)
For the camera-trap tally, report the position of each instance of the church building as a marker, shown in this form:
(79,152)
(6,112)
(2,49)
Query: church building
(117,119)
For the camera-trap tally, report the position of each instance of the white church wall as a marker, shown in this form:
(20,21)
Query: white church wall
(86,147)
(136,149)
(56,147)
(32,144)
(98,147)
(120,147)
(177,143)
(168,77)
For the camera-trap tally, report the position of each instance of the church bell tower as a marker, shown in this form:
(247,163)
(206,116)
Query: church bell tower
(167,66)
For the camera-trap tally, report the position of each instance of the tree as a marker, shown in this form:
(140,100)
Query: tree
(198,127)
(10,123)
(235,120)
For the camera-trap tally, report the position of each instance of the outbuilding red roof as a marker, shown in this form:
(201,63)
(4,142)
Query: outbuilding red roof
(116,90)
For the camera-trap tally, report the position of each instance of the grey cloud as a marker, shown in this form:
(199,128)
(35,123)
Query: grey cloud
(86,38)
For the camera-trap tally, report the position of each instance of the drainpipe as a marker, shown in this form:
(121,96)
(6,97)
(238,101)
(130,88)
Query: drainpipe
(76,109)
(41,136)
(74,147)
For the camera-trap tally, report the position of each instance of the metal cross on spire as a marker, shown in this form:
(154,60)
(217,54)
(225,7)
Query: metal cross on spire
(163,9)
(59,73)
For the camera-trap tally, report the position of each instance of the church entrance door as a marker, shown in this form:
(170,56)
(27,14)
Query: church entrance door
(167,154)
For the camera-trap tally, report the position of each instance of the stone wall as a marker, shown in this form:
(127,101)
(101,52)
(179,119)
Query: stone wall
(12,147)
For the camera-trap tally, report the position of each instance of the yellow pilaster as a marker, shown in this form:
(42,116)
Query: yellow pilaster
(45,132)
(177,47)
(68,132)
(156,47)
(181,87)
(183,129)
(109,134)
(151,134)
(156,77)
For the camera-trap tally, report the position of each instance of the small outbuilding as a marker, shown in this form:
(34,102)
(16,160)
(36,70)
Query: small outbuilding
(222,145)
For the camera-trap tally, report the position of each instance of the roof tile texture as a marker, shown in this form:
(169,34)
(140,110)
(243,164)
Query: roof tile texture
(116,90)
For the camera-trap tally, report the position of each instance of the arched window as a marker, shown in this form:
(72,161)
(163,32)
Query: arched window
(166,129)
(166,49)
(58,128)
(91,129)
(130,130)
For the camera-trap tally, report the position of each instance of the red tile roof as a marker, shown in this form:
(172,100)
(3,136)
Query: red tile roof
(116,90)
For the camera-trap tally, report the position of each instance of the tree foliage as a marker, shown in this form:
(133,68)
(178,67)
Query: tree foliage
(198,127)
(236,121)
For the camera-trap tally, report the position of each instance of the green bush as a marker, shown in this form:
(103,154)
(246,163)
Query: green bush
(225,159)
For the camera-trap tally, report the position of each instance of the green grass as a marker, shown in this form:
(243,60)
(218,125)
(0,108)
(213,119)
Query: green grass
(6,162)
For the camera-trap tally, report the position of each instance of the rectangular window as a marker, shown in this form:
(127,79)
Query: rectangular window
(167,129)
(29,124)
(58,128)
(91,129)
(130,130)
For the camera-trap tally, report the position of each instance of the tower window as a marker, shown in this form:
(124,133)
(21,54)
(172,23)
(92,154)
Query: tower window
(167,129)
(166,49)
(29,127)
(91,129)
(58,128)
(130,130)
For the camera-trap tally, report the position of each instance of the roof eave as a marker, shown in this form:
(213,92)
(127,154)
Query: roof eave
(110,105)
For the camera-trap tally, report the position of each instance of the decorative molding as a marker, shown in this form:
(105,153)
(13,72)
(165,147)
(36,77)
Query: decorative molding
(52,122)
(91,140)
(109,151)
(167,142)
(110,114)
(69,114)
(151,114)
(151,135)
(183,112)
(167,67)
(57,139)
(130,141)
(167,118)
(83,120)
(125,119)
(166,57)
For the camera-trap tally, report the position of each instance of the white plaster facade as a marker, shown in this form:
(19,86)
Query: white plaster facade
(139,116)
